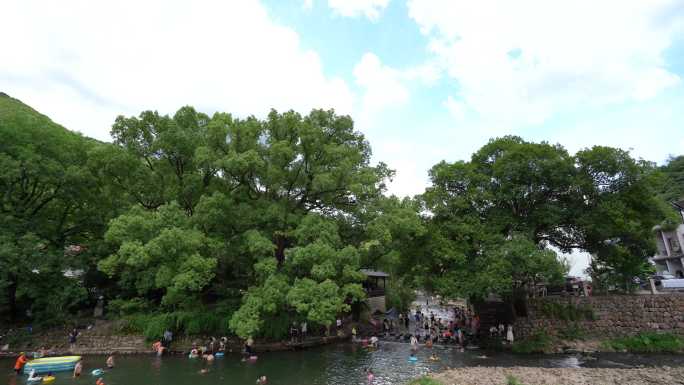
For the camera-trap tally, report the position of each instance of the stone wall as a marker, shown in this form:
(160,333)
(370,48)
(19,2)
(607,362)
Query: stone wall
(376,304)
(102,339)
(610,316)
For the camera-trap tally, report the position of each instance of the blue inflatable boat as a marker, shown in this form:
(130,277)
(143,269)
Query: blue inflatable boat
(52,364)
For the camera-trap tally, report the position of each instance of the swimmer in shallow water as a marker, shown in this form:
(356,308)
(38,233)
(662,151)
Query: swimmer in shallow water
(434,357)
(370,376)
(110,361)
(262,380)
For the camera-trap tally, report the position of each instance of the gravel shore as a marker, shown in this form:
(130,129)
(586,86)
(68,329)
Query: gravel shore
(565,376)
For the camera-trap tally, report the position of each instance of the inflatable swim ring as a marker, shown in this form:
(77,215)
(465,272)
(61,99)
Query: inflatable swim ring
(219,354)
(48,379)
(97,372)
(413,359)
(52,364)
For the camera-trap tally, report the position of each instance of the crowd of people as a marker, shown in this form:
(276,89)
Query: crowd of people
(423,326)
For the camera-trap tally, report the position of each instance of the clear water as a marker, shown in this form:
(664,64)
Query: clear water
(342,364)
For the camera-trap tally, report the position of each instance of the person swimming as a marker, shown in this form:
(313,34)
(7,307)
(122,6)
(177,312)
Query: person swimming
(370,376)
(110,361)
(194,353)
(78,368)
(32,376)
(262,380)
(434,357)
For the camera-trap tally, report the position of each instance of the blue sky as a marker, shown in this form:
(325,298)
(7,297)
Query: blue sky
(424,80)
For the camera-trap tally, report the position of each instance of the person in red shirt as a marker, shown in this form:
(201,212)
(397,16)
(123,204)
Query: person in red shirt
(19,364)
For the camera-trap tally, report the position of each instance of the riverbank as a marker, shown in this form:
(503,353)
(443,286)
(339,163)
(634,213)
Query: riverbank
(101,338)
(559,376)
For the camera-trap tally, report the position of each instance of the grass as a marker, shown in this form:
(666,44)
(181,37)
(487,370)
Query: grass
(647,343)
(539,342)
(425,381)
(512,380)
(572,332)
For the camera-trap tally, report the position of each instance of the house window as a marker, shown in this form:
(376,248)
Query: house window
(674,245)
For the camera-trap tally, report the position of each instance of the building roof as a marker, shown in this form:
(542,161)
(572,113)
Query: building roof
(373,273)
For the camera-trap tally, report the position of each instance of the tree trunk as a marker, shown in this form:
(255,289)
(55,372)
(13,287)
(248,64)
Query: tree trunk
(12,298)
(281,245)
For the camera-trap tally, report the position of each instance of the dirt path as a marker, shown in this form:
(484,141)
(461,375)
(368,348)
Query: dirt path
(565,376)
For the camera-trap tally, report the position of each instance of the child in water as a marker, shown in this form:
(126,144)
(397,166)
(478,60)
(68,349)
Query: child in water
(110,361)
(370,376)
(434,357)
(78,368)
(262,380)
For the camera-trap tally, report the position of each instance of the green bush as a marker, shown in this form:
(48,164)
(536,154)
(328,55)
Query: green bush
(512,380)
(647,343)
(539,342)
(399,295)
(152,326)
(425,381)
(567,312)
(124,307)
(572,332)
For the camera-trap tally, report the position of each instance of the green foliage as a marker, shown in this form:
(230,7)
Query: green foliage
(425,381)
(50,199)
(490,213)
(672,187)
(567,311)
(159,250)
(540,342)
(212,223)
(399,295)
(647,343)
(512,380)
(152,326)
(572,332)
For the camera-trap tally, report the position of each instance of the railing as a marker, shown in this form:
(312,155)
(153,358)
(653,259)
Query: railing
(375,293)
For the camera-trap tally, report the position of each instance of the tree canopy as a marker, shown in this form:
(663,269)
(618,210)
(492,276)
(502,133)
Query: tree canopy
(247,225)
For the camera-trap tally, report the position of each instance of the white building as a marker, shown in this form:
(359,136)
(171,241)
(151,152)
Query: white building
(670,257)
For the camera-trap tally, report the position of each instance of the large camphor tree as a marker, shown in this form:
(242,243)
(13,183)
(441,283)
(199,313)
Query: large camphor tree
(233,208)
(496,219)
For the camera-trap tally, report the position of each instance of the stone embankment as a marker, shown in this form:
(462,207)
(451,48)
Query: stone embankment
(564,376)
(610,316)
(101,339)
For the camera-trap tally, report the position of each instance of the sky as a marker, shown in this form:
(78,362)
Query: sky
(424,80)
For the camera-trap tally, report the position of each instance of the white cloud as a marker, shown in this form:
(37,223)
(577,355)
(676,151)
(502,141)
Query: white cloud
(455,107)
(83,63)
(524,61)
(355,8)
(382,85)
